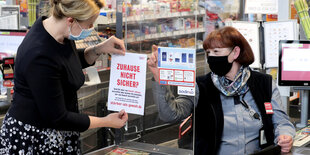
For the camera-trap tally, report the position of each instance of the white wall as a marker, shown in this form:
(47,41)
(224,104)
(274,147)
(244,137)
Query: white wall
(284,10)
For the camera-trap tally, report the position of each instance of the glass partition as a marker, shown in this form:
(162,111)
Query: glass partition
(174,24)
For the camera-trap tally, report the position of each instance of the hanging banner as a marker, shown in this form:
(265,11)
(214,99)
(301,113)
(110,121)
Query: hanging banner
(127,83)
(261,6)
(222,6)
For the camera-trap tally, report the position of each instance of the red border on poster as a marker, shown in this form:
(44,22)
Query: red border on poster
(166,82)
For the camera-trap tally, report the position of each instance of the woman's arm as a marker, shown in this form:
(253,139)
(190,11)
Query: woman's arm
(284,129)
(113,46)
(171,108)
(114,120)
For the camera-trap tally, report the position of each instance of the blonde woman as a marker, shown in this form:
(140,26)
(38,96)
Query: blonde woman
(43,117)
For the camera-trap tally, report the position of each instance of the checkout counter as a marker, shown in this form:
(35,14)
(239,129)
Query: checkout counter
(135,148)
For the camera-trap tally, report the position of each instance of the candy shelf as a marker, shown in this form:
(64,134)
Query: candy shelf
(156,22)
(104,20)
(165,35)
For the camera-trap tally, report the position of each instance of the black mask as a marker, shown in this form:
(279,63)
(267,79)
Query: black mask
(219,64)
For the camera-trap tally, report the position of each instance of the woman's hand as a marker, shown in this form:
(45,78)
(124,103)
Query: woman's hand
(113,46)
(286,142)
(153,64)
(113,120)
(116,120)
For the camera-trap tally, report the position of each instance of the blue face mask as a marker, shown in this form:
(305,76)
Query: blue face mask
(84,33)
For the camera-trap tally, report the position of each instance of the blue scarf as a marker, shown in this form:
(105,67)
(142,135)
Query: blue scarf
(233,88)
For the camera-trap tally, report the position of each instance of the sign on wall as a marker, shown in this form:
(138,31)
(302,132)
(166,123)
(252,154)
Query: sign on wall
(274,32)
(261,6)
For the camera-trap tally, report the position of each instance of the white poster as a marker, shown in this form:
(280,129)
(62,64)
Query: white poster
(261,6)
(9,22)
(274,32)
(177,66)
(250,32)
(127,83)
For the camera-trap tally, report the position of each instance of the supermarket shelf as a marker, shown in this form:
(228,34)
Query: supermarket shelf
(142,18)
(165,35)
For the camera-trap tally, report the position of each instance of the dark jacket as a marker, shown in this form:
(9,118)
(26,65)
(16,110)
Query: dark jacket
(209,112)
(47,77)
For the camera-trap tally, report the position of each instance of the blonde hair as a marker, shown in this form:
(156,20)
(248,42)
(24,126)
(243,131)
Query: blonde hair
(77,9)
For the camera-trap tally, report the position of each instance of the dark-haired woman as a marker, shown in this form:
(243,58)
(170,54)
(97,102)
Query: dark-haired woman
(237,110)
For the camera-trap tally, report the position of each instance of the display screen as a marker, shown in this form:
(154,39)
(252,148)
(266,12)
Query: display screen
(294,63)
(10,41)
